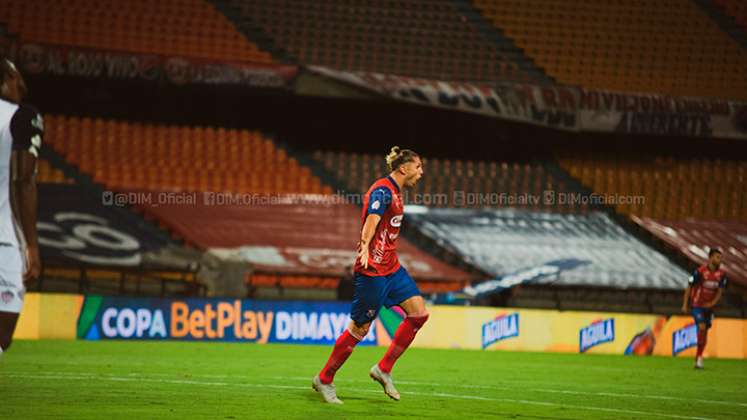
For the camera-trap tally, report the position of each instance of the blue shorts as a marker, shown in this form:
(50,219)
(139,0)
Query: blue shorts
(702,316)
(371,293)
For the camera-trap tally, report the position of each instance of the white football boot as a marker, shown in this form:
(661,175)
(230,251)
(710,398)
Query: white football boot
(327,390)
(699,363)
(385,380)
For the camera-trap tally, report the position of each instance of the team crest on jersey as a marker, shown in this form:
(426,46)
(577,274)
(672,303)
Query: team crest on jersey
(6,296)
(396,221)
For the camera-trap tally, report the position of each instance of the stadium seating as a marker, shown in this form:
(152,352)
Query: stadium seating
(672,188)
(663,46)
(444,177)
(736,9)
(507,240)
(136,157)
(421,38)
(293,241)
(694,238)
(190,28)
(130,156)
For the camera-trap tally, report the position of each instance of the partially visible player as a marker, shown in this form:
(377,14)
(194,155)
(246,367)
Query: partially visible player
(21,131)
(380,280)
(703,293)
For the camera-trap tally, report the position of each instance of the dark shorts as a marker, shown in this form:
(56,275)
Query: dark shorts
(371,293)
(702,316)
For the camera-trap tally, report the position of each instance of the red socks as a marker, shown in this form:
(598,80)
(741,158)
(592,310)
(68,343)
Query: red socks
(702,339)
(343,348)
(402,339)
(346,343)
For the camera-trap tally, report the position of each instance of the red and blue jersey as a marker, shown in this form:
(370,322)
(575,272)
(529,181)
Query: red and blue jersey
(704,284)
(383,198)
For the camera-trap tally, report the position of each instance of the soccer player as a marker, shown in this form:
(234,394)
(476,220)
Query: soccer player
(379,277)
(701,295)
(21,130)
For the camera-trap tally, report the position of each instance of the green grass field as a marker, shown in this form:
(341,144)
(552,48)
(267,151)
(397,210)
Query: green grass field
(147,380)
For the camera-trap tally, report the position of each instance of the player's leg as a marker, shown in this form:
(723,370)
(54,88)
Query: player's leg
(417,315)
(343,348)
(404,293)
(367,299)
(12,293)
(8,322)
(702,322)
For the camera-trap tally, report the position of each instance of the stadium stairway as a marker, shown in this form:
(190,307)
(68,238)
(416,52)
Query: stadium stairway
(501,41)
(253,31)
(730,15)
(429,39)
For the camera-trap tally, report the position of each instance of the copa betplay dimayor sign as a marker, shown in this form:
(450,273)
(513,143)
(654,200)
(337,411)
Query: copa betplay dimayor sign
(103,318)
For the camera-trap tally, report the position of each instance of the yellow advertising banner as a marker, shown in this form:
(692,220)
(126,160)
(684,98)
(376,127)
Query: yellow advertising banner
(574,332)
(56,316)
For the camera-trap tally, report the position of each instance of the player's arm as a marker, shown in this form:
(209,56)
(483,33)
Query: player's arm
(686,298)
(369,229)
(27,130)
(377,205)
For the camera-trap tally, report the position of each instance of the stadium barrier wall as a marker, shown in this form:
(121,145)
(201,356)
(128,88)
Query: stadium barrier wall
(301,322)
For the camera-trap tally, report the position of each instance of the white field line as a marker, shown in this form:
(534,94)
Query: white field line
(274,386)
(555,391)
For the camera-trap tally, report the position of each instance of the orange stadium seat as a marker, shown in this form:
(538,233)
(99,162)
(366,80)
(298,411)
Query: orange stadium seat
(136,156)
(663,46)
(673,189)
(190,28)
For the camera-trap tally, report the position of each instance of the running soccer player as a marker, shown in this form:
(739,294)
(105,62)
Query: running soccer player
(379,278)
(703,293)
(21,130)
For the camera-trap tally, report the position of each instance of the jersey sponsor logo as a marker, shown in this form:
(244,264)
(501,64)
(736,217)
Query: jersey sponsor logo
(6,296)
(396,221)
(684,338)
(599,332)
(502,327)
